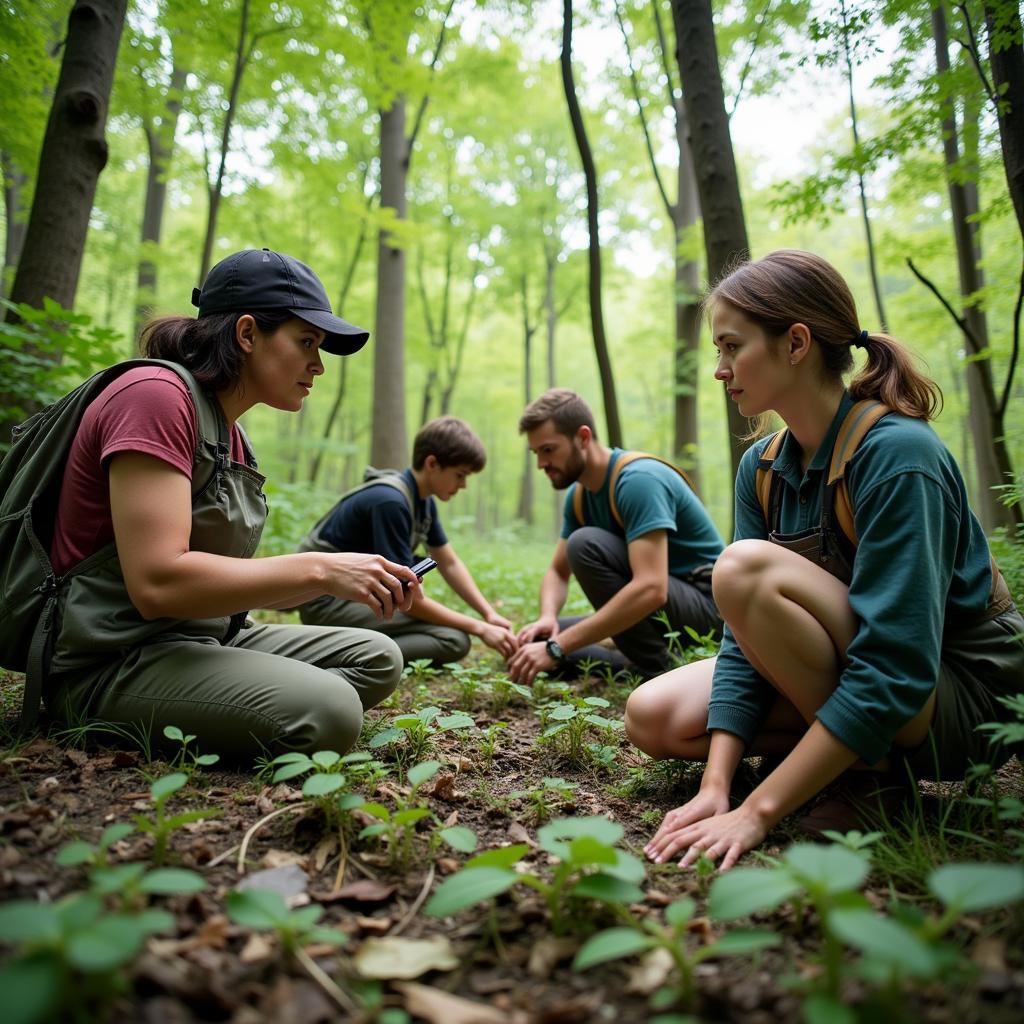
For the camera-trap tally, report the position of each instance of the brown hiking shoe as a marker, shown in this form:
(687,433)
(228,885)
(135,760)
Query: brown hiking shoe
(857,800)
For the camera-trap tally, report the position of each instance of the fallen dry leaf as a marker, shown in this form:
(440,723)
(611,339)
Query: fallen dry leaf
(257,948)
(289,880)
(376,925)
(324,851)
(651,973)
(438,1007)
(447,865)
(366,890)
(283,858)
(990,954)
(398,957)
(549,952)
(518,834)
(443,788)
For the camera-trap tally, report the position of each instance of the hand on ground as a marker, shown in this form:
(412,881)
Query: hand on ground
(722,838)
(530,659)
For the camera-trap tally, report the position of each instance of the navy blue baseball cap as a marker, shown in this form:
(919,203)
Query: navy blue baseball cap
(257,279)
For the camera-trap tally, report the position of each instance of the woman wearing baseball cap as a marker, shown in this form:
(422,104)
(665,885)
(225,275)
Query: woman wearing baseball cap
(160,511)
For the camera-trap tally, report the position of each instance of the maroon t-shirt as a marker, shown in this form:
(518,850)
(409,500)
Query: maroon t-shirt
(147,410)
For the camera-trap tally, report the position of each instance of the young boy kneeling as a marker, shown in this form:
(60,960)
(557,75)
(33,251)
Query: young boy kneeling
(392,514)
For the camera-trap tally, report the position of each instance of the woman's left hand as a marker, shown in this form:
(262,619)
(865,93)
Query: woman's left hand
(723,838)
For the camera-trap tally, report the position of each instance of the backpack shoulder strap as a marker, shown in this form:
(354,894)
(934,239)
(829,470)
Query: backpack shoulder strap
(764,472)
(859,420)
(621,463)
(577,503)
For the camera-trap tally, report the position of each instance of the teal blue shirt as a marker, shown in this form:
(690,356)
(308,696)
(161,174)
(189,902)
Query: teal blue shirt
(651,496)
(922,565)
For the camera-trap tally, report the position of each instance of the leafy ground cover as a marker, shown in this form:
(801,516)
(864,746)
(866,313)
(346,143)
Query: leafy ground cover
(477,859)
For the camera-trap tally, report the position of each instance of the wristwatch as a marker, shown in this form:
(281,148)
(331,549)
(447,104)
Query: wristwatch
(554,649)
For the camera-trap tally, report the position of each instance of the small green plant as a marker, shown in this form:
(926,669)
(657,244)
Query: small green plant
(566,723)
(547,798)
(487,742)
(420,669)
(162,825)
(411,736)
(588,866)
(188,761)
(639,937)
(700,646)
(501,689)
(68,956)
(265,910)
(468,680)
(95,855)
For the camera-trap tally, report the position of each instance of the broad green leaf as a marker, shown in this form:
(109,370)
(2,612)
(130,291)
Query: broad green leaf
(612,944)
(172,732)
(680,912)
(886,940)
(969,887)
(460,838)
(373,830)
(562,713)
(330,936)
(383,738)
(26,921)
(292,757)
(821,1009)
(289,771)
(256,908)
(833,868)
(742,943)
(597,702)
(172,881)
(168,784)
(349,801)
(114,834)
(419,773)
(321,785)
(499,857)
(206,760)
(607,889)
(356,757)
(106,881)
(470,886)
(627,867)
(77,852)
(456,721)
(597,827)
(304,918)
(326,758)
(154,919)
(744,891)
(587,850)
(109,943)
(30,987)
(377,810)
(408,817)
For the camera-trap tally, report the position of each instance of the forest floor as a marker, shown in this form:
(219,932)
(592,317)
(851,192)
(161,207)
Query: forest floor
(498,961)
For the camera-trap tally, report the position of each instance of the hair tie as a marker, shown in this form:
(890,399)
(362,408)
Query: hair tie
(861,340)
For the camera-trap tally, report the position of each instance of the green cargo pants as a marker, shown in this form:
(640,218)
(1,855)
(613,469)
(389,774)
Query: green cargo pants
(272,688)
(441,645)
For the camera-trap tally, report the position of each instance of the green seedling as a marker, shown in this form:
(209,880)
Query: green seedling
(468,679)
(487,742)
(459,724)
(68,956)
(637,937)
(398,826)
(698,648)
(501,689)
(566,723)
(411,736)
(162,825)
(265,910)
(602,756)
(420,669)
(588,866)
(546,798)
(188,761)
(80,852)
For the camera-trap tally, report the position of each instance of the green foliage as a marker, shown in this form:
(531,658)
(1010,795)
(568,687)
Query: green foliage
(545,799)
(264,910)
(188,761)
(162,825)
(566,724)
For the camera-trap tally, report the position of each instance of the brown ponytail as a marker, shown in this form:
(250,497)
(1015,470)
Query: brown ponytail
(207,347)
(791,286)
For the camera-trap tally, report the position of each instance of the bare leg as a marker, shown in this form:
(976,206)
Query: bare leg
(668,716)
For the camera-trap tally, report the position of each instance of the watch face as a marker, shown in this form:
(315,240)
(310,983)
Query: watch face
(554,650)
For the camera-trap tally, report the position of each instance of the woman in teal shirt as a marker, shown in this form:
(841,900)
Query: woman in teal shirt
(872,663)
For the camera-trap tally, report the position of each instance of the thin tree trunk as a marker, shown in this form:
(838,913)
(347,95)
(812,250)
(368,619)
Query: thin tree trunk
(14,219)
(725,232)
(876,286)
(389,445)
(991,457)
(611,406)
(525,510)
(160,141)
(216,189)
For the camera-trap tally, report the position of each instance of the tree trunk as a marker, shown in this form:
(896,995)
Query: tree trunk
(611,406)
(687,305)
(160,141)
(389,444)
(73,154)
(991,457)
(14,219)
(876,286)
(216,189)
(725,232)
(525,510)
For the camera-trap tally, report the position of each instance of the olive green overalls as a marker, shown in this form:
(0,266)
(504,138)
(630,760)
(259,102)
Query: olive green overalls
(238,688)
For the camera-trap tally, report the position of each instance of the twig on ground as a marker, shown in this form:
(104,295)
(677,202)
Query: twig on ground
(259,824)
(413,910)
(326,982)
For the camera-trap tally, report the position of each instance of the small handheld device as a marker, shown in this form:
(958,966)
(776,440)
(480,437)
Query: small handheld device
(421,568)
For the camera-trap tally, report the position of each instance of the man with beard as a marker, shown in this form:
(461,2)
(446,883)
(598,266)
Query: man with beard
(655,554)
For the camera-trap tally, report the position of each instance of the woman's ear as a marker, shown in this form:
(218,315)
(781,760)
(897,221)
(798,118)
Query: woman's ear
(245,333)
(799,340)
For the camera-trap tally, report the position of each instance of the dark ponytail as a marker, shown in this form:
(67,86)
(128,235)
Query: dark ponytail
(790,286)
(207,347)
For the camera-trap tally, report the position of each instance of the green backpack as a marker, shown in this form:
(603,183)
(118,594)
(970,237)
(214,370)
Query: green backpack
(31,475)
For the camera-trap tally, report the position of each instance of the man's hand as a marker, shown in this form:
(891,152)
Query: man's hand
(501,639)
(544,628)
(530,659)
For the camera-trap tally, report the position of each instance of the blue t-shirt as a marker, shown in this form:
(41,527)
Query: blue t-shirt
(651,496)
(376,520)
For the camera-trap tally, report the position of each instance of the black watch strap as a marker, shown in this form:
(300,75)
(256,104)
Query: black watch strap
(554,649)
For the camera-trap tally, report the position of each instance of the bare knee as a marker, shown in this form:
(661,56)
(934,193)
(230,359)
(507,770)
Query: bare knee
(647,723)
(737,571)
